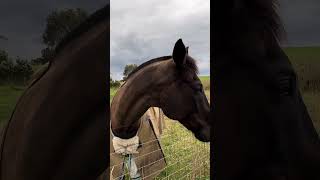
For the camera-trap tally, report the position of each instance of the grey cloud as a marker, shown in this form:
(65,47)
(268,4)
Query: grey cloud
(149,29)
(146,29)
(301,21)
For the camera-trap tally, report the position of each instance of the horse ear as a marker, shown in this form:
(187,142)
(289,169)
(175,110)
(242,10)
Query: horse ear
(179,54)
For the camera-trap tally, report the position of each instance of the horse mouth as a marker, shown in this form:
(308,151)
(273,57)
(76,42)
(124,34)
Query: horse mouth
(201,132)
(202,137)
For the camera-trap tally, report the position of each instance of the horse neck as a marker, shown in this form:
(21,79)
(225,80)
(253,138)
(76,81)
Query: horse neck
(133,99)
(94,39)
(73,88)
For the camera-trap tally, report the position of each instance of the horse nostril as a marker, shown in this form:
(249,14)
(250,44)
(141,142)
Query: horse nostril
(203,135)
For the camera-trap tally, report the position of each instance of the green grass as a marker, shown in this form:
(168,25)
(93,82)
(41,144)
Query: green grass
(312,101)
(205,82)
(204,78)
(303,54)
(113,91)
(8,98)
(186,157)
(306,62)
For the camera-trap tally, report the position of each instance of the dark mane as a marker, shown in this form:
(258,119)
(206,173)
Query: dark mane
(190,64)
(95,18)
(264,14)
(147,63)
(247,18)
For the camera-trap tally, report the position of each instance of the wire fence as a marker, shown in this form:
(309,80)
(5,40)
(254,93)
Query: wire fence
(184,157)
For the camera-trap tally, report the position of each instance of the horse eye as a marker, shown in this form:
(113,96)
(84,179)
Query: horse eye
(201,88)
(198,87)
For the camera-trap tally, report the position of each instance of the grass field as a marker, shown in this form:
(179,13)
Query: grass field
(186,157)
(113,91)
(205,80)
(306,61)
(8,98)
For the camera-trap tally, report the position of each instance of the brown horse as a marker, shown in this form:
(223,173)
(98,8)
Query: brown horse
(262,129)
(170,83)
(58,129)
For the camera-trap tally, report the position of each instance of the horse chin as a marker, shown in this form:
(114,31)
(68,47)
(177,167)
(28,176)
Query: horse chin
(204,137)
(200,132)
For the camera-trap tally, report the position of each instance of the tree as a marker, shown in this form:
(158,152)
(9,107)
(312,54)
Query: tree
(114,83)
(61,22)
(58,24)
(46,55)
(5,66)
(111,80)
(3,55)
(128,69)
(6,71)
(22,70)
(37,61)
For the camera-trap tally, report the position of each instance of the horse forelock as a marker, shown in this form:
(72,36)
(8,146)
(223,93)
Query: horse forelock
(237,18)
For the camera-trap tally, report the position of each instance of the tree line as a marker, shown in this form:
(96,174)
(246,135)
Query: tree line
(127,70)
(58,24)
(14,70)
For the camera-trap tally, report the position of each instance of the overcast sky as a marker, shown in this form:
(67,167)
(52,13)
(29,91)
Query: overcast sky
(23,22)
(302,21)
(145,29)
